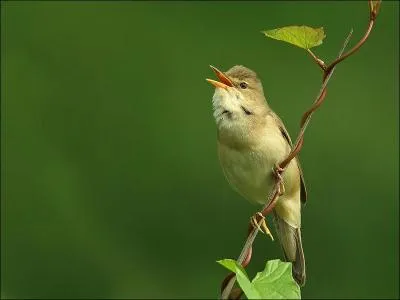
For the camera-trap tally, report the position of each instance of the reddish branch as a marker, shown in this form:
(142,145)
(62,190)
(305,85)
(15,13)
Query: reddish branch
(245,256)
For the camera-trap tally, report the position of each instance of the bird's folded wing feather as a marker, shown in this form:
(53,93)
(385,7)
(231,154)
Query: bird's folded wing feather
(303,190)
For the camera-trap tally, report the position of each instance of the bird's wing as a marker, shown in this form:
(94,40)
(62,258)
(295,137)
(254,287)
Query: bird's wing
(303,190)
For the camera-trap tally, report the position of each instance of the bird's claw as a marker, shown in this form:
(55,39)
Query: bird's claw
(277,170)
(260,224)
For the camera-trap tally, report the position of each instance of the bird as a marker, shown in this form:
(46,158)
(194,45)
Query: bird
(251,141)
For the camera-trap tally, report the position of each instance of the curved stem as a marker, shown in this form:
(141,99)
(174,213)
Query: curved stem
(355,48)
(317,103)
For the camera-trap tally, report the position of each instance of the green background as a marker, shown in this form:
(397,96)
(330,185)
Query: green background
(111,185)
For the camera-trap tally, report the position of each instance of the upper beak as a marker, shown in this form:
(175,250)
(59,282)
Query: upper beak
(224,81)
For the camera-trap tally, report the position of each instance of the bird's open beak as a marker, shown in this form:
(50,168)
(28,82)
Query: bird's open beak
(224,81)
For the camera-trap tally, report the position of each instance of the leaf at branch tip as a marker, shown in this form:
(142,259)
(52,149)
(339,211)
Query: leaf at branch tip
(375,5)
(301,36)
(274,282)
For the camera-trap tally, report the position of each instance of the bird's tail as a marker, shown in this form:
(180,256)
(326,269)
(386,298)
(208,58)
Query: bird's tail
(290,239)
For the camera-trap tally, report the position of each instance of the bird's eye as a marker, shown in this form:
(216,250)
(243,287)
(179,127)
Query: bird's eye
(243,85)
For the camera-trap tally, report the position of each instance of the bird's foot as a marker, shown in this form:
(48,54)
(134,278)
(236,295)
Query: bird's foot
(258,221)
(277,171)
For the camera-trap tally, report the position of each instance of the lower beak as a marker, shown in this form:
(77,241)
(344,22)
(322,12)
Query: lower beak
(224,82)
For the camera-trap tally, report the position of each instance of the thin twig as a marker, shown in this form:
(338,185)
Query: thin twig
(317,103)
(319,62)
(248,245)
(355,48)
(274,195)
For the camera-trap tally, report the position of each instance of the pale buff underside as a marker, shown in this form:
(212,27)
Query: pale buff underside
(249,168)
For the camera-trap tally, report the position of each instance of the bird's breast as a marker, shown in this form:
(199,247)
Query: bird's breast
(249,170)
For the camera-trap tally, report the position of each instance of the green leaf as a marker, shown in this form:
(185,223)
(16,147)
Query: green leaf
(301,36)
(274,282)
(241,277)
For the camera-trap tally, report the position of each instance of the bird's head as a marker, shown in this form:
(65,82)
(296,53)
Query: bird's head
(238,96)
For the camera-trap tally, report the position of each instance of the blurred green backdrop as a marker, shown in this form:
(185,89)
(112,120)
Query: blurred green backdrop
(111,185)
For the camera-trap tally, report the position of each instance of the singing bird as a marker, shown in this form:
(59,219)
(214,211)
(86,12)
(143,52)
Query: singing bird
(252,141)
